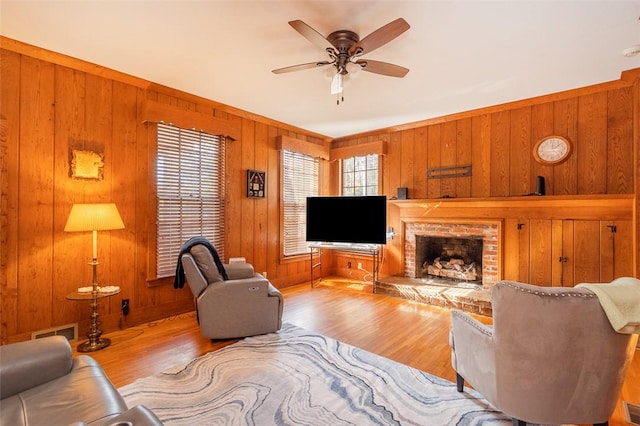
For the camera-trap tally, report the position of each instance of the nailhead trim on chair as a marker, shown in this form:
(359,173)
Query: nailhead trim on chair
(481,328)
(543,293)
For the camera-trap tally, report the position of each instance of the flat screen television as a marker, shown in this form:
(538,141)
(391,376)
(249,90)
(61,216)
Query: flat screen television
(360,219)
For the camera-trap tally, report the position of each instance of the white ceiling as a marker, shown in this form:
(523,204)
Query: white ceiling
(462,55)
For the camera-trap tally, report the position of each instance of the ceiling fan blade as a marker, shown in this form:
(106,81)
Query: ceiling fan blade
(383,68)
(301,67)
(310,34)
(379,37)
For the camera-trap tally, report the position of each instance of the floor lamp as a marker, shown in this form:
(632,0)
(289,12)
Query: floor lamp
(94,217)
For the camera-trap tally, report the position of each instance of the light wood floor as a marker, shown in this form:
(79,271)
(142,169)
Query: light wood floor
(408,332)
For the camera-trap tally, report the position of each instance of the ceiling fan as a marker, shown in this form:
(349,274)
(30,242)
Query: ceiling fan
(345,49)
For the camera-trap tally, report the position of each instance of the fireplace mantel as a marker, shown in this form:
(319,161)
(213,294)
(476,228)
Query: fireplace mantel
(591,207)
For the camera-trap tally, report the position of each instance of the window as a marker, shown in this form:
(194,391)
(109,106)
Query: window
(360,175)
(190,185)
(300,180)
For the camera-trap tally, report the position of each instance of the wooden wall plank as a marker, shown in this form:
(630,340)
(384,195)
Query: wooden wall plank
(70,259)
(448,157)
(36,201)
(619,140)
(273,205)
(124,192)
(261,213)
(434,160)
(565,123)
(393,165)
(10,71)
(481,156)
(541,126)
(500,150)
(463,156)
(520,154)
(407,164)
(246,232)
(592,143)
(420,150)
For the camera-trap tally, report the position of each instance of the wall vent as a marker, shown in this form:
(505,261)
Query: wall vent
(632,413)
(70,331)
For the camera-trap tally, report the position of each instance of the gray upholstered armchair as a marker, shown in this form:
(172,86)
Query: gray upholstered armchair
(551,356)
(243,304)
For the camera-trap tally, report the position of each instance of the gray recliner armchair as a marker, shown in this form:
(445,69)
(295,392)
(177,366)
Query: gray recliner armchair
(551,356)
(245,304)
(42,383)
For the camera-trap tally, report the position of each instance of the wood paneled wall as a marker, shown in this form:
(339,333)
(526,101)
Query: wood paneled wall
(497,142)
(50,103)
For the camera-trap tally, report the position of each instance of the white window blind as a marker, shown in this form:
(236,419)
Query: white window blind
(190,185)
(360,175)
(300,180)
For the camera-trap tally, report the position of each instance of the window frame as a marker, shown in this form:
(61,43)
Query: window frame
(217,206)
(366,171)
(284,227)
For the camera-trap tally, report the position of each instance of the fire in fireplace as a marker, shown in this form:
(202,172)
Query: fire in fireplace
(456,258)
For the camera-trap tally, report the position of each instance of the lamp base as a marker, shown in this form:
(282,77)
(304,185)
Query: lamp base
(90,346)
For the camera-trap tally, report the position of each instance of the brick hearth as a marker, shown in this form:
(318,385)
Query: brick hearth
(467,297)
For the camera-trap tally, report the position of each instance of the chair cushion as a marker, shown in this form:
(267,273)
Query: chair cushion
(207,266)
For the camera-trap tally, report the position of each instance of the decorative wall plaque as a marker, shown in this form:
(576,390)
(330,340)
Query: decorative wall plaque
(84,164)
(256,184)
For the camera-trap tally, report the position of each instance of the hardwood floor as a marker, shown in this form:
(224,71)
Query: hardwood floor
(408,332)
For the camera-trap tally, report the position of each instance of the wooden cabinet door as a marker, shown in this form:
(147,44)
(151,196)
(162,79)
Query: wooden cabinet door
(586,251)
(616,249)
(540,252)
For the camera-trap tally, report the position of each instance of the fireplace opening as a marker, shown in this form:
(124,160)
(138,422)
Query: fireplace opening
(455,258)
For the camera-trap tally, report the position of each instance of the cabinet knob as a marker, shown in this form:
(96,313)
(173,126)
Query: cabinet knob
(562,259)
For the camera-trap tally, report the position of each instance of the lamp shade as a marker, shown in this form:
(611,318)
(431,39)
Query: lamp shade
(93,217)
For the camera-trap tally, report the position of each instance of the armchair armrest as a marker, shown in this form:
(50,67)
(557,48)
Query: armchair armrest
(136,416)
(28,364)
(236,271)
(473,352)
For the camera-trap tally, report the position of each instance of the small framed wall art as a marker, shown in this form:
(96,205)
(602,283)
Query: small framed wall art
(256,184)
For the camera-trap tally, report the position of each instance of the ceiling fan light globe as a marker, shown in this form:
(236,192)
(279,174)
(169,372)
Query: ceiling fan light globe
(353,69)
(329,73)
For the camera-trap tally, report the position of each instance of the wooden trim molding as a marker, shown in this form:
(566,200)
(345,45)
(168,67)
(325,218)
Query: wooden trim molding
(304,147)
(377,147)
(156,112)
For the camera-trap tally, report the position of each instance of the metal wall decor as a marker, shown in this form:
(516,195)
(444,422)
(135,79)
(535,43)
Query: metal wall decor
(448,172)
(256,184)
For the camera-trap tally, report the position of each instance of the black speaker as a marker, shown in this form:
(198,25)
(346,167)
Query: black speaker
(403,193)
(540,187)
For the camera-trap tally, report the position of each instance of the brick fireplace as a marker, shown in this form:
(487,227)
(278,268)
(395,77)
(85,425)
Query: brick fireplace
(453,240)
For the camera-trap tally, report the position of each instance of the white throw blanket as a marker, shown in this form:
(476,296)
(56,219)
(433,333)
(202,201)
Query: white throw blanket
(620,300)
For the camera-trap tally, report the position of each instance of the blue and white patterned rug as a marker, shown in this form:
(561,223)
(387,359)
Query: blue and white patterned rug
(297,377)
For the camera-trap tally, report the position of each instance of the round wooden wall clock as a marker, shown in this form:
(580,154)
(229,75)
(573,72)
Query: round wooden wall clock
(552,150)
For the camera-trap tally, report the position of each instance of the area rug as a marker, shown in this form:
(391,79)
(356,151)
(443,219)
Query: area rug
(298,377)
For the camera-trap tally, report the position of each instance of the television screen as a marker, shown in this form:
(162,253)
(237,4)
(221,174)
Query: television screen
(349,219)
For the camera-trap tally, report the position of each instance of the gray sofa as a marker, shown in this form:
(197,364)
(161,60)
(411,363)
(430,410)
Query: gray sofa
(41,383)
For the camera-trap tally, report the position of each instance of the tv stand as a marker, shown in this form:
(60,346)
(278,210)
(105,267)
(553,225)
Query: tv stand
(372,250)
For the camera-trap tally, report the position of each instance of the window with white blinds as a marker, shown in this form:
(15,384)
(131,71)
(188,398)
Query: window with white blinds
(190,187)
(300,180)
(360,175)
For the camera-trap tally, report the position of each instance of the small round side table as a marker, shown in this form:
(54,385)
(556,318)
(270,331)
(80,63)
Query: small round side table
(94,343)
